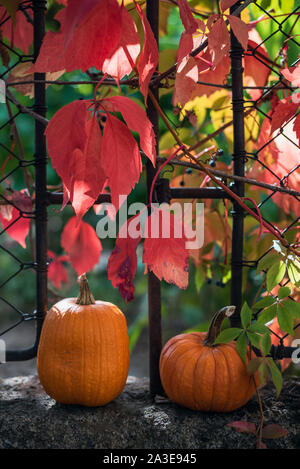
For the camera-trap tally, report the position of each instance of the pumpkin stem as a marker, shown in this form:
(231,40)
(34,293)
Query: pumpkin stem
(85,296)
(216,324)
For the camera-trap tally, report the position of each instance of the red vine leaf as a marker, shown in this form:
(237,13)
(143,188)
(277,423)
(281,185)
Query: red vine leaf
(19,35)
(240,30)
(149,57)
(283,112)
(166,255)
(124,58)
(189,22)
(69,49)
(218,40)
(122,263)
(82,244)
(121,158)
(292,74)
(242,426)
(256,73)
(273,431)
(17,226)
(88,177)
(225,4)
(57,273)
(137,121)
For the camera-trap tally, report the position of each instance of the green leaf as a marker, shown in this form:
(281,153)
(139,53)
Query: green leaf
(266,262)
(199,278)
(254,338)
(265,344)
(276,375)
(242,346)
(275,274)
(293,307)
(283,292)
(258,328)
(285,319)
(254,365)
(228,335)
(263,374)
(267,315)
(293,273)
(246,315)
(264,302)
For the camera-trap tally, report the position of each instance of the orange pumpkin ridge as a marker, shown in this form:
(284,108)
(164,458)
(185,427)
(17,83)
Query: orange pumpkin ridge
(199,375)
(83,354)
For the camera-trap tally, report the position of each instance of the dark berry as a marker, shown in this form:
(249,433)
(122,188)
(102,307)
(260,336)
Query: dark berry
(209,281)
(220,152)
(212,163)
(189,171)
(218,283)
(181,183)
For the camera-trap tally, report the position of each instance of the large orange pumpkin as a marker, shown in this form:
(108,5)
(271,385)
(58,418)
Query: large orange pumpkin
(83,355)
(198,375)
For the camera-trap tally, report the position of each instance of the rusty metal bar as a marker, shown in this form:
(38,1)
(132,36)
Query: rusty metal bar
(236,54)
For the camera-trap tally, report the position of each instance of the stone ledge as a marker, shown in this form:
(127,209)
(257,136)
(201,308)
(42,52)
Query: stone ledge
(31,419)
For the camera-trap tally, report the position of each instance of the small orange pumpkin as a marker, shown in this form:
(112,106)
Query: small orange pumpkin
(83,354)
(199,375)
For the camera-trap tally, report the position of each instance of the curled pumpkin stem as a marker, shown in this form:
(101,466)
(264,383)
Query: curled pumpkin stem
(85,296)
(216,324)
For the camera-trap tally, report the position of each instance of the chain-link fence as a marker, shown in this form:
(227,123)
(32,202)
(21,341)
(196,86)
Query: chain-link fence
(277,182)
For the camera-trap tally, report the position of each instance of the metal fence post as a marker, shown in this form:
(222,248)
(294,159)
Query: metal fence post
(236,53)
(154,287)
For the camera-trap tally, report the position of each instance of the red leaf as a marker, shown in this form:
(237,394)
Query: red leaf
(87,162)
(296,127)
(65,133)
(292,74)
(273,431)
(88,177)
(16,226)
(167,257)
(283,112)
(225,4)
(122,263)
(149,57)
(137,120)
(186,15)
(57,272)
(240,30)
(127,51)
(218,41)
(186,87)
(97,20)
(242,426)
(76,12)
(121,158)
(82,244)
(21,35)
(51,55)
(255,72)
